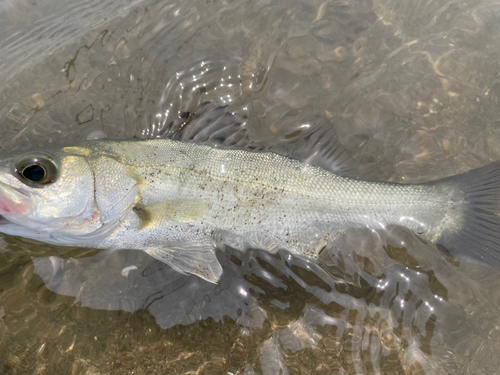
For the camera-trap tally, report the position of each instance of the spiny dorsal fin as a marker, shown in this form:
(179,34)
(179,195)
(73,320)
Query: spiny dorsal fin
(212,126)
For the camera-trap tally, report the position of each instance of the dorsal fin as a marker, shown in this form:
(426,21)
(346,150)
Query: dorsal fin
(212,126)
(313,141)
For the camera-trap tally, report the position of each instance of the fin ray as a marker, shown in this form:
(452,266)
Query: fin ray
(196,259)
(316,143)
(479,236)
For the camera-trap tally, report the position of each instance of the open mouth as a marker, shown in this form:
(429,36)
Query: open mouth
(3,220)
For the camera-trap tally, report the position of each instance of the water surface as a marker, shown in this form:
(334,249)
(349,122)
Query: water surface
(413,91)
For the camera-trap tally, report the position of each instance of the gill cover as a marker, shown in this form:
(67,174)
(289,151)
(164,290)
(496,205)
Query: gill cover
(116,190)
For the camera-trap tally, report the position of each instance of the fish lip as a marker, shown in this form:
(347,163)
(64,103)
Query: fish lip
(4,185)
(14,200)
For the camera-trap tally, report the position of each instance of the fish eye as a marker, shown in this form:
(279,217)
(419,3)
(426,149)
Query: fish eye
(36,171)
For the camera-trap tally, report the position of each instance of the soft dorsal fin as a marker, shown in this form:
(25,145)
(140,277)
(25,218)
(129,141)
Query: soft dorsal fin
(313,141)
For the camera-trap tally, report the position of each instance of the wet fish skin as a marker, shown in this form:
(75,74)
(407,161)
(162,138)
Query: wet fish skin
(178,201)
(262,199)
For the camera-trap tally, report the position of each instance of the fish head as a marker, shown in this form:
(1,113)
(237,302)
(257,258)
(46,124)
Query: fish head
(63,197)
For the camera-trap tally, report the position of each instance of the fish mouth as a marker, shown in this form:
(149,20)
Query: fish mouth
(4,221)
(14,201)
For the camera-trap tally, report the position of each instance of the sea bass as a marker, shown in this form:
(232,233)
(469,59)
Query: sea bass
(179,200)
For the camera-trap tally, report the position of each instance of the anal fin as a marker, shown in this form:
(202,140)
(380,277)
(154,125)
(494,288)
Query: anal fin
(196,259)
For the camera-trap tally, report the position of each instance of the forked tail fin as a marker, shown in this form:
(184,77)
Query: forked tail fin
(479,235)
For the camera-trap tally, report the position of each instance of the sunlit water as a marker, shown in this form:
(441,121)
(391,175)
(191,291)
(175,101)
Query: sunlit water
(413,90)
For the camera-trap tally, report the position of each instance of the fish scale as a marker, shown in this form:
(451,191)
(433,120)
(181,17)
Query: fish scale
(271,194)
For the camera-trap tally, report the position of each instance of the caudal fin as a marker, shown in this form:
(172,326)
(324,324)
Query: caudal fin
(479,235)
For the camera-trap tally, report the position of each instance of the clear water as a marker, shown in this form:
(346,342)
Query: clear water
(412,88)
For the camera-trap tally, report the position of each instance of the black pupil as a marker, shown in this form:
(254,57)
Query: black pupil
(34,173)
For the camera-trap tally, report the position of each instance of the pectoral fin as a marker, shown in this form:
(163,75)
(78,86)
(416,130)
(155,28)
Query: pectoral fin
(196,259)
(180,210)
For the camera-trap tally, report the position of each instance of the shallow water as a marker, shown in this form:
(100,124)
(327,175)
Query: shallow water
(412,89)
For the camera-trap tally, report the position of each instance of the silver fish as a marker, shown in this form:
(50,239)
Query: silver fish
(179,200)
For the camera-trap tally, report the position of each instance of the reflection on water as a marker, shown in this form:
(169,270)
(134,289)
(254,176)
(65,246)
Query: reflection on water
(411,88)
(378,307)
